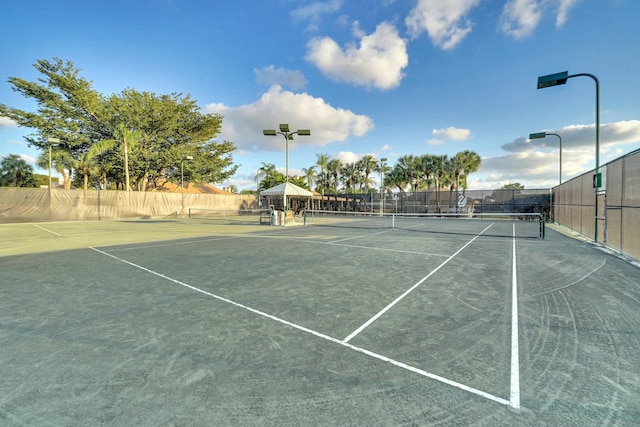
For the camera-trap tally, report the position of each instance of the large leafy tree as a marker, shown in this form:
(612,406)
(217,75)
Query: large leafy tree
(15,172)
(149,134)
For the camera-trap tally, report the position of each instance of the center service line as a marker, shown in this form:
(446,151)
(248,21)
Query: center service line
(321,335)
(408,291)
(514,399)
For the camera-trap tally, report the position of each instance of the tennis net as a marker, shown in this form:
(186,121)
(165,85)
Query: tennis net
(528,225)
(232,216)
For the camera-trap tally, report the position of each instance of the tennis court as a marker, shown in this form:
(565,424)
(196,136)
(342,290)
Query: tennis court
(199,322)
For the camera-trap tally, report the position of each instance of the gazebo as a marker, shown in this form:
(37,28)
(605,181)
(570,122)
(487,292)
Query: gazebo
(284,197)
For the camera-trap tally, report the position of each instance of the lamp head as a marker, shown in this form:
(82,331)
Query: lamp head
(269,132)
(553,79)
(537,135)
(284,127)
(304,132)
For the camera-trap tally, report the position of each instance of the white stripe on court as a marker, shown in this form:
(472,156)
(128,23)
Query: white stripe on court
(408,291)
(319,334)
(47,230)
(514,397)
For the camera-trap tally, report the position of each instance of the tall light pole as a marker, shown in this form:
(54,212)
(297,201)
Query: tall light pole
(560,79)
(382,165)
(184,157)
(51,141)
(288,136)
(540,135)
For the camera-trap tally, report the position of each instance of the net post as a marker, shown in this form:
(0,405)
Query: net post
(189,213)
(542,225)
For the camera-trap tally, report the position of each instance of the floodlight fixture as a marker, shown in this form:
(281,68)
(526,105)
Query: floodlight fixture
(288,136)
(540,135)
(560,79)
(553,79)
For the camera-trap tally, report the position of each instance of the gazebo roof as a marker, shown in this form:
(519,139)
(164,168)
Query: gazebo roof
(286,189)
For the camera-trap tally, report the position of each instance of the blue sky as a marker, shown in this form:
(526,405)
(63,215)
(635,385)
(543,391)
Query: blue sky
(379,77)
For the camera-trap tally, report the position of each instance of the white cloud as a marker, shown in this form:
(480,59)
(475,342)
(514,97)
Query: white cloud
(270,75)
(520,17)
(563,11)
(243,125)
(582,137)
(313,12)
(537,161)
(377,61)
(449,134)
(444,21)
(6,122)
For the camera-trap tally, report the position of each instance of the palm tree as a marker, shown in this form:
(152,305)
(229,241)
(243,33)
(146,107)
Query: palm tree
(367,164)
(87,162)
(408,163)
(439,164)
(333,169)
(310,176)
(397,177)
(264,171)
(16,171)
(468,162)
(128,138)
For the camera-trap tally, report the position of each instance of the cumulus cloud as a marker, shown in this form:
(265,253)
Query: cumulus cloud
(445,22)
(270,75)
(581,137)
(449,134)
(315,9)
(521,17)
(243,125)
(6,122)
(537,161)
(377,61)
(563,11)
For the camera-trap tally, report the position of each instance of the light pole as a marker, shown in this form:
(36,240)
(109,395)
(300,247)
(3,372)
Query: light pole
(184,157)
(51,141)
(540,135)
(382,165)
(560,79)
(288,136)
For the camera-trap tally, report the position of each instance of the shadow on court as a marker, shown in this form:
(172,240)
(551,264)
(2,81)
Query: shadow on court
(188,323)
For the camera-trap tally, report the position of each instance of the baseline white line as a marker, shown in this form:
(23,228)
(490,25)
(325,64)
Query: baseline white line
(514,398)
(319,334)
(48,231)
(408,291)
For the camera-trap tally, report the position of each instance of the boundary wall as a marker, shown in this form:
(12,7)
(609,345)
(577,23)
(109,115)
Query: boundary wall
(618,216)
(44,205)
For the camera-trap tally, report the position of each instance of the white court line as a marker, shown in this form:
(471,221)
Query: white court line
(514,399)
(48,231)
(319,334)
(408,291)
(188,242)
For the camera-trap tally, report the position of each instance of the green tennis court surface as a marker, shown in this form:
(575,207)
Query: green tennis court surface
(190,322)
